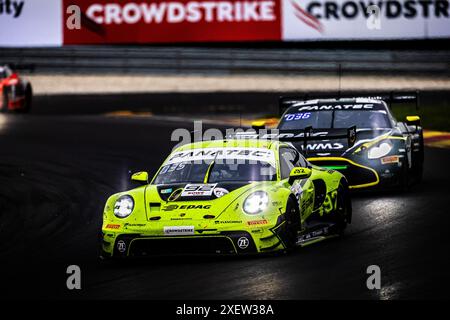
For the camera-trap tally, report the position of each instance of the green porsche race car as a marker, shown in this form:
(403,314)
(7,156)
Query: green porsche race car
(233,196)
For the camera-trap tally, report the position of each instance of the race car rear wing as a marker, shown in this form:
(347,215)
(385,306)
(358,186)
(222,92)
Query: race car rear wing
(388,97)
(308,135)
(302,135)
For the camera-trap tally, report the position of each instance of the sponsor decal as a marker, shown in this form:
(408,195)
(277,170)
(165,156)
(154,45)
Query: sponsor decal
(313,234)
(143,21)
(255,154)
(134,225)
(360,106)
(121,246)
(165,191)
(257,222)
(172,207)
(179,12)
(277,136)
(198,190)
(227,221)
(390,159)
(179,230)
(348,19)
(324,146)
(243,243)
(113,226)
(220,192)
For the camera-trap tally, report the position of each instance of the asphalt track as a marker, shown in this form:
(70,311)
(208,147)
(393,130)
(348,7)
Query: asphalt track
(56,172)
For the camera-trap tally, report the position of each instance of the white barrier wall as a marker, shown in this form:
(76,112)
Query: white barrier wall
(43,22)
(31,23)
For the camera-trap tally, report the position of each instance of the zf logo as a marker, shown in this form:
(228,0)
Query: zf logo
(121,246)
(243,242)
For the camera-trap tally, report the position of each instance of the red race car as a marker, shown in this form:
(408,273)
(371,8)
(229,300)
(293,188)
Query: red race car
(15,93)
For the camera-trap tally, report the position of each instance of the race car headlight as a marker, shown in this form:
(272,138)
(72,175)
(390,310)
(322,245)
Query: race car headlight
(379,151)
(256,202)
(123,206)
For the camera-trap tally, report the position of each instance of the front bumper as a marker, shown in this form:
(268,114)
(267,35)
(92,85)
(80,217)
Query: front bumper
(364,173)
(127,245)
(252,241)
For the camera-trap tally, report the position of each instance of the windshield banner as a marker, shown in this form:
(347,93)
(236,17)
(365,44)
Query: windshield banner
(199,155)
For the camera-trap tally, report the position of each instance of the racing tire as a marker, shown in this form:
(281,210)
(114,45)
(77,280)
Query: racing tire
(292,224)
(404,178)
(419,174)
(4,105)
(419,170)
(28,98)
(343,214)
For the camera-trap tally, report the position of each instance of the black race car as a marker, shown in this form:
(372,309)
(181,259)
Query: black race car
(383,152)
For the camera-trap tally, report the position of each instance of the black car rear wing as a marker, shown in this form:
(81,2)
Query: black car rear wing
(388,97)
(308,135)
(302,135)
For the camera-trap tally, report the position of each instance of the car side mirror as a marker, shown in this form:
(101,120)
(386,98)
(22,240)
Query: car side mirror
(299,173)
(141,177)
(258,125)
(413,120)
(14,76)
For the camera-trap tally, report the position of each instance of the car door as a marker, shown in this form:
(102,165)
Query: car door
(302,189)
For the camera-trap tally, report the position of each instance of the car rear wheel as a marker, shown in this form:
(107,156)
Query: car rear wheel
(292,224)
(343,214)
(28,98)
(4,102)
(404,179)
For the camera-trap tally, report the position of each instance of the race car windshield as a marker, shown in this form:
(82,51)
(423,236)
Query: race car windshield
(219,170)
(339,119)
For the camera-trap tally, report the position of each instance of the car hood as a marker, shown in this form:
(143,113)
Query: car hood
(165,202)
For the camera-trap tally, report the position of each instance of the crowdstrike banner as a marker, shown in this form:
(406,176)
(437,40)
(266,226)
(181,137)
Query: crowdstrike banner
(109,21)
(347,19)
(43,22)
